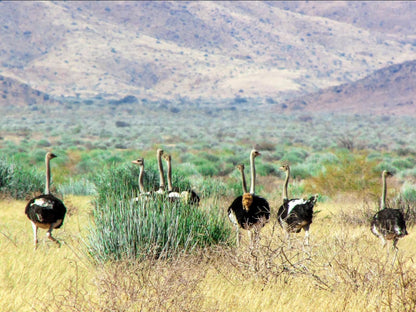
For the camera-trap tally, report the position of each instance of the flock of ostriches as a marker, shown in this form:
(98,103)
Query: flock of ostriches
(248,211)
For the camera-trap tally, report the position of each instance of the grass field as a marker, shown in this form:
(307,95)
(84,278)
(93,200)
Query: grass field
(343,269)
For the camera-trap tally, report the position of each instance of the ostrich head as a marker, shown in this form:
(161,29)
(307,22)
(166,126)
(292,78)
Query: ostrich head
(247,201)
(138,161)
(167,157)
(284,166)
(387,173)
(255,153)
(240,167)
(50,155)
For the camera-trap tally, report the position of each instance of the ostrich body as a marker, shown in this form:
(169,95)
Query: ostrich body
(388,223)
(143,194)
(249,211)
(46,211)
(295,214)
(189,197)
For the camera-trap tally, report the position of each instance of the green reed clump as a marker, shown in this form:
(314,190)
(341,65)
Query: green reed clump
(18,182)
(126,228)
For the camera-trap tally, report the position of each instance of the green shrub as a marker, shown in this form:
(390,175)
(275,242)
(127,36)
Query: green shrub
(408,192)
(295,155)
(265,169)
(386,165)
(401,164)
(406,202)
(210,187)
(301,171)
(81,186)
(156,227)
(18,182)
(353,173)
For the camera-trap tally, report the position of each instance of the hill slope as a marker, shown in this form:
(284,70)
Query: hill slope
(390,90)
(198,50)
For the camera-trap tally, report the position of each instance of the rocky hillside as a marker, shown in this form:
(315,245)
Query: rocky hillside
(390,90)
(200,50)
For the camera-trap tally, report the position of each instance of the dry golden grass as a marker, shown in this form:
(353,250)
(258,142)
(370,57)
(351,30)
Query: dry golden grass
(344,269)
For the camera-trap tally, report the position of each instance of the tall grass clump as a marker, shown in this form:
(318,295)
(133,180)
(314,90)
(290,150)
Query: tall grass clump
(152,227)
(18,182)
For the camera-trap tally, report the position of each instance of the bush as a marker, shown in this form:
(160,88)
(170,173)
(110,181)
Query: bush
(403,164)
(18,182)
(211,187)
(301,171)
(295,155)
(153,228)
(406,202)
(77,187)
(352,173)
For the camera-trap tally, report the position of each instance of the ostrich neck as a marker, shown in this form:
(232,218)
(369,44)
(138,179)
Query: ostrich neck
(383,195)
(141,185)
(170,187)
(162,177)
(48,176)
(253,174)
(243,178)
(285,196)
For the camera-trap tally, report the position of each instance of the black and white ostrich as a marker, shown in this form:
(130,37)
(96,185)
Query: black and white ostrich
(143,194)
(46,211)
(189,196)
(249,211)
(295,214)
(388,223)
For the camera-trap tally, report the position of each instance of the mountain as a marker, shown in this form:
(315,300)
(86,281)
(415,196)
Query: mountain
(170,50)
(390,90)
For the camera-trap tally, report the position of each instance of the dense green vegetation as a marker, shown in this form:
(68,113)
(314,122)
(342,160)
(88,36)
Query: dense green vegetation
(152,226)
(329,155)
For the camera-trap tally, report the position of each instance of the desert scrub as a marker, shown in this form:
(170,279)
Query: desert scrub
(18,182)
(352,173)
(80,186)
(153,227)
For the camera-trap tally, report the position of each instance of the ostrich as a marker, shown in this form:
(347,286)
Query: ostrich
(388,223)
(46,211)
(295,214)
(161,190)
(143,193)
(188,196)
(173,195)
(249,211)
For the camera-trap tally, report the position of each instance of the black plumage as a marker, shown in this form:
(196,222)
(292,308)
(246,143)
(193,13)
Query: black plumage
(388,223)
(295,214)
(46,211)
(258,213)
(249,211)
(190,197)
